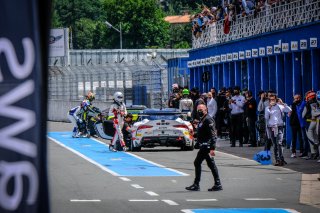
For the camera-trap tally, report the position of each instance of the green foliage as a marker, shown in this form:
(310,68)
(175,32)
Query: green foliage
(85,31)
(180,36)
(142,22)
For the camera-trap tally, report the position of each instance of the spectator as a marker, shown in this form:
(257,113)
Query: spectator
(251,117)
(236,105)
(195,96)
(211,105)
(304,144)
(274,119)
(221,98)
(295,126)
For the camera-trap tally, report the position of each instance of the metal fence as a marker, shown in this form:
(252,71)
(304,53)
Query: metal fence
(142,79)
(283,16)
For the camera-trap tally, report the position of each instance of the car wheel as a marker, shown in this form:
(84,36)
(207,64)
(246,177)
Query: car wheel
(188,148)
(136,149)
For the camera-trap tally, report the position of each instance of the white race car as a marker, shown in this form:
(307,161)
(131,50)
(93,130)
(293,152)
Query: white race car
(162,127)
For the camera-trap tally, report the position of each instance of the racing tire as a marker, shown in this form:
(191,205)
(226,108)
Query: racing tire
(188,148)
(136,149)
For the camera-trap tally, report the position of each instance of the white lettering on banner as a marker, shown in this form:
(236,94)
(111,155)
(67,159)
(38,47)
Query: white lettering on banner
(294,45)
(313,42)
(285,47)
(16,171)
(17,70)
(262,51)
(25,120)
(269,50)
(303,44)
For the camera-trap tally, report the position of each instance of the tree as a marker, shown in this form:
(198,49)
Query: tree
(180,36)
(142,21)
(74,14)
(85,30)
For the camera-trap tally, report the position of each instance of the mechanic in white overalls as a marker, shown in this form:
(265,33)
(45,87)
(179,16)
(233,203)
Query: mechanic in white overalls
(118,110)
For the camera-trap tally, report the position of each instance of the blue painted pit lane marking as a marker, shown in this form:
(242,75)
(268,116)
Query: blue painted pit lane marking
(116,163)
(240,210)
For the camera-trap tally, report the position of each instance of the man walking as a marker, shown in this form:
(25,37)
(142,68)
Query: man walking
(206,142)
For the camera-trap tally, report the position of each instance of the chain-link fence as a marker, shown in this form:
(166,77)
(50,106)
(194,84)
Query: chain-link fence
(143,82)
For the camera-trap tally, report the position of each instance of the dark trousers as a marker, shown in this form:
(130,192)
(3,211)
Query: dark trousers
(305,141)
(296,133)
(277,141)
(219,121)
(252,131)
(203,154)
(245,131)
(236,122)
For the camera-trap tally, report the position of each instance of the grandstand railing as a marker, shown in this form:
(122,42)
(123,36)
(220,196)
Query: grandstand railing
(283,16)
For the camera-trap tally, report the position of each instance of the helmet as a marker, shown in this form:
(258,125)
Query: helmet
(185,92)
(118,97)
(91,96)
(310,95)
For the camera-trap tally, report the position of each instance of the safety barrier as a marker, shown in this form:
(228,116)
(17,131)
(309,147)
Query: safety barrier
(271,19)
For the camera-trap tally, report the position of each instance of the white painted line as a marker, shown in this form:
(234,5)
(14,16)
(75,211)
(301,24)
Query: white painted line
(279,178)
(76,200)
(187,210)
(143,200)
(156,164)
(137,186)
(292,211)
(170,202)
(86,158)
(201,200)
(151,193)
(174,181)
(125,179)
(256,199)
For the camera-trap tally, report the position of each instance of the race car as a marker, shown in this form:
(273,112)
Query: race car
(162,127)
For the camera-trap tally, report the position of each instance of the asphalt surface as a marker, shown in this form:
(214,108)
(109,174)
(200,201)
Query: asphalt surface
(77,185)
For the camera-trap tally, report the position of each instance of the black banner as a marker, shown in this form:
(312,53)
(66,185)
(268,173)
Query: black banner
(24,27)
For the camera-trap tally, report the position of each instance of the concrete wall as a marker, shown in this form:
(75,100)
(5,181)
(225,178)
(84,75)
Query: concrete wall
(58,109)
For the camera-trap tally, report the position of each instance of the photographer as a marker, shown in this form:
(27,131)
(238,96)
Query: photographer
(206,142)
(274,119)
